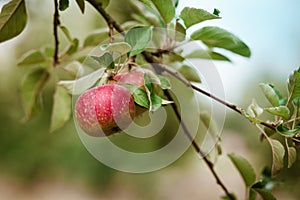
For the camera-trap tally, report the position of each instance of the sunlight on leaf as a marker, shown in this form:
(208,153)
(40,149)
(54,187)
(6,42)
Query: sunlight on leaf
(214,36)
(138,38)
(166,9)
(281,111)
(192,16)
(269,93)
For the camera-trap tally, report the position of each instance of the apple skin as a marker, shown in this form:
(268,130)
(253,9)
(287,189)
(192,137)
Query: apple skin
(134,77)
(105,110)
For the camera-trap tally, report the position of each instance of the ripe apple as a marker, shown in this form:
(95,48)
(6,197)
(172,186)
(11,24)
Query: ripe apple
(134,77)
(105,110)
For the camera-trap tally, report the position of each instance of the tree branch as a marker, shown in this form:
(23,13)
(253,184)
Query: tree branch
(160,68)
(56,23)
(196,146)
(109,20)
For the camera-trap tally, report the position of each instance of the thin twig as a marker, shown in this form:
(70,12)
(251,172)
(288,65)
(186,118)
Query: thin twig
(109,20)
(56,23)
(159,68)
(196,146)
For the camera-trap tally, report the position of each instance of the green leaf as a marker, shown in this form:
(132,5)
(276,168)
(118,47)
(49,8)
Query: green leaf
(265,194)
(192,16)
(32,58)
(296,101)
(120,47)
(231,196)
(63,5)
(80,85)
(292,156)
(61,110)
(164,83)
(249,117)
(31,88)
(189,73)
(95,39)
(294,85)
(176,2)
(254,110)
(138,38)
(81,5)
(282,100)
(13,19)
(73,47)
(139,95)
(166,9)
(49,51)
(269,132)
(74,68)
(148,3)
(252,194)
(180,32)
(66,33)
(106,60)
(244,168)
(156,102)
(217,37)
(207,54)
(278,155)
(281,111)
(173,57)
(266,182)
(209,123)
(270,94)
(216,12)
(286,132)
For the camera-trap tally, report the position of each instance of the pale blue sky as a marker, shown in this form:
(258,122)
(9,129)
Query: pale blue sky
(270,28)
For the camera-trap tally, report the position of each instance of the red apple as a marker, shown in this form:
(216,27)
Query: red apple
(134,77)
(105,110)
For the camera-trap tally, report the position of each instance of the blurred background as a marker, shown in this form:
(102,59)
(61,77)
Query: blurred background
(36,164)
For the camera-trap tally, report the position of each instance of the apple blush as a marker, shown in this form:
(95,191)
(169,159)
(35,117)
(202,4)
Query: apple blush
(105,110)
